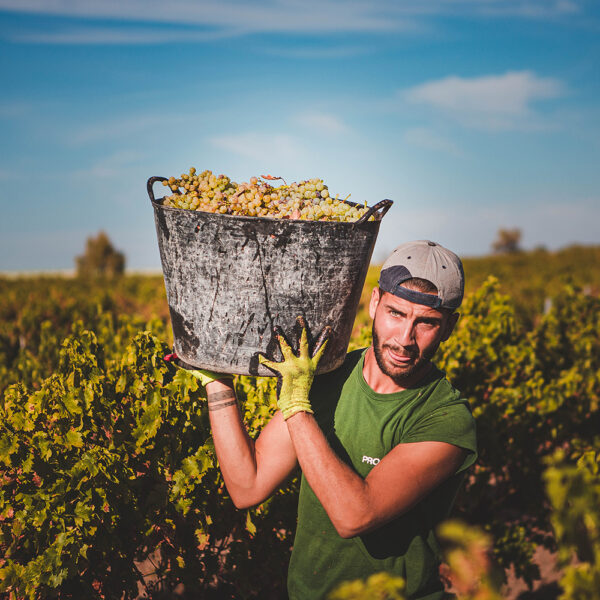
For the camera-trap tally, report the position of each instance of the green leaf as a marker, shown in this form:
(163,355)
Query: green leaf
(73,438)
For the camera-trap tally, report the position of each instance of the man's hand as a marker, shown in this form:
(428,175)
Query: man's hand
(296,372)
(202,375)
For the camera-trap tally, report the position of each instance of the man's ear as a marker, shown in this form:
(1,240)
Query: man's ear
(375,297)
(450,325)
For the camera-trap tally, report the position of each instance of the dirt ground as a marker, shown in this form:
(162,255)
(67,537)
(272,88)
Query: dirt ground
(545,589)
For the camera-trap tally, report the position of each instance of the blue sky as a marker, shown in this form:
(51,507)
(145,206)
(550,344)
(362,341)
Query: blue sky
(471,115)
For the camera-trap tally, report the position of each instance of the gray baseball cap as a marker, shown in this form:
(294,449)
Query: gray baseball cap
(426,260)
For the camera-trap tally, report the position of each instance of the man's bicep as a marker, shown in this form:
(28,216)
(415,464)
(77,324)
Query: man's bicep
(408,473)
(452,424)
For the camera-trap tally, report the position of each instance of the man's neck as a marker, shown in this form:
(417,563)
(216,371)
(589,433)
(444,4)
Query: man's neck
(381,383)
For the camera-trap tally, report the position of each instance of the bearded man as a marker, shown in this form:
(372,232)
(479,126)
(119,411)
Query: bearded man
(383,441)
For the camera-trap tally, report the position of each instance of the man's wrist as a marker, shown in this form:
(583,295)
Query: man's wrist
(218,385)
(293,399)
(299,417)
(220,394)
(220,400)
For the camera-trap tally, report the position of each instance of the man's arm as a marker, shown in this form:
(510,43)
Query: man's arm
(356,505)
(252,470)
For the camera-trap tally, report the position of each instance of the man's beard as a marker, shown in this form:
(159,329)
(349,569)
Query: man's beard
(400,375)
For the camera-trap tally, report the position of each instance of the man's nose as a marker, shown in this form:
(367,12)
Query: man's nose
(405,334)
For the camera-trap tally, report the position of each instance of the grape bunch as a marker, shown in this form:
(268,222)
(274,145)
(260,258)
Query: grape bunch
(308,200)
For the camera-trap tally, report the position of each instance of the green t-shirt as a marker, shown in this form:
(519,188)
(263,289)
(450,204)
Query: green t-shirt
(362,426)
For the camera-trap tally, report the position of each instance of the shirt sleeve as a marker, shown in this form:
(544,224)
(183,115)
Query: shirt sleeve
(451,424)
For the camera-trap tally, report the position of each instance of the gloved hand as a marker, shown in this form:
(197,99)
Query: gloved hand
(296,372)
(203,376)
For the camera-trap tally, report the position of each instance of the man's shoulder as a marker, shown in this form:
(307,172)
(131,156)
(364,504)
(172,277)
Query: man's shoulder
(438,392)
(443,414)
(328,387)
(342,372)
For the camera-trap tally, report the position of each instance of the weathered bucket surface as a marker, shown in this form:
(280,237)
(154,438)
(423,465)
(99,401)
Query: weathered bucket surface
(230,280)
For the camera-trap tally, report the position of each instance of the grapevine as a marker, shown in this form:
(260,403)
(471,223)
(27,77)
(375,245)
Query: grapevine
(308,200)
(107,461)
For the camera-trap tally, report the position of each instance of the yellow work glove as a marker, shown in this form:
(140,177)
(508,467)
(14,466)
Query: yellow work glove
(296,371)
(202,375)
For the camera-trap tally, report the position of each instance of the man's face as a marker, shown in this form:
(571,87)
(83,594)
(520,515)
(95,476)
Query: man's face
(406,336)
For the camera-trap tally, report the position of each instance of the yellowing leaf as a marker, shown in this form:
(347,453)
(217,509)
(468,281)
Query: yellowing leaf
(250,526)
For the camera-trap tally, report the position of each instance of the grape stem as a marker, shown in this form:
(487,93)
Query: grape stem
(272,178)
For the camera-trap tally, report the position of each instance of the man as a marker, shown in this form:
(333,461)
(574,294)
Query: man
(382,442)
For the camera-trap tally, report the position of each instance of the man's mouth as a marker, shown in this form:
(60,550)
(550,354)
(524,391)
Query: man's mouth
(399,356)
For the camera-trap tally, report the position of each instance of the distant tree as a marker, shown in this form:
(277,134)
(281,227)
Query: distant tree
(507,241)
(100,258)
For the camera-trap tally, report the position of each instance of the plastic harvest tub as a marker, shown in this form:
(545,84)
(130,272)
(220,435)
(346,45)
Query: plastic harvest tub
(230,280)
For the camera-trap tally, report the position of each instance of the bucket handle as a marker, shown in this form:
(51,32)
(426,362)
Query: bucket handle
(384,206)
(151,182)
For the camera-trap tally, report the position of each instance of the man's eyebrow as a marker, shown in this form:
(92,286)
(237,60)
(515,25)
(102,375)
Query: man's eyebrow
(394,308)
(429,319)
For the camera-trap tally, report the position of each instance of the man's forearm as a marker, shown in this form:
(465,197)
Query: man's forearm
(252,470)
(355,505)
(233,445)
(342,492)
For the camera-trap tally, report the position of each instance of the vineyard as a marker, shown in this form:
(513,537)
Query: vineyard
(110,486)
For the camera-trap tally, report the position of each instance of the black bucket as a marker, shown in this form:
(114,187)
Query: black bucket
(230,280)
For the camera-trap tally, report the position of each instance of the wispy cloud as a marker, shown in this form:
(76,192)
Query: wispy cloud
(116,36)
(322,123)
(308,16)
(430,140)
(125,127)
(312,51)
(238,17)
(261,147)
(536,10)
(113,166)
(492,102)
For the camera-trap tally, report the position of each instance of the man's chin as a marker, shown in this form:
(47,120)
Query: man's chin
(398,373)
(401,376)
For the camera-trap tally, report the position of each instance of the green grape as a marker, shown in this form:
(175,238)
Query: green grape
(307,200)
